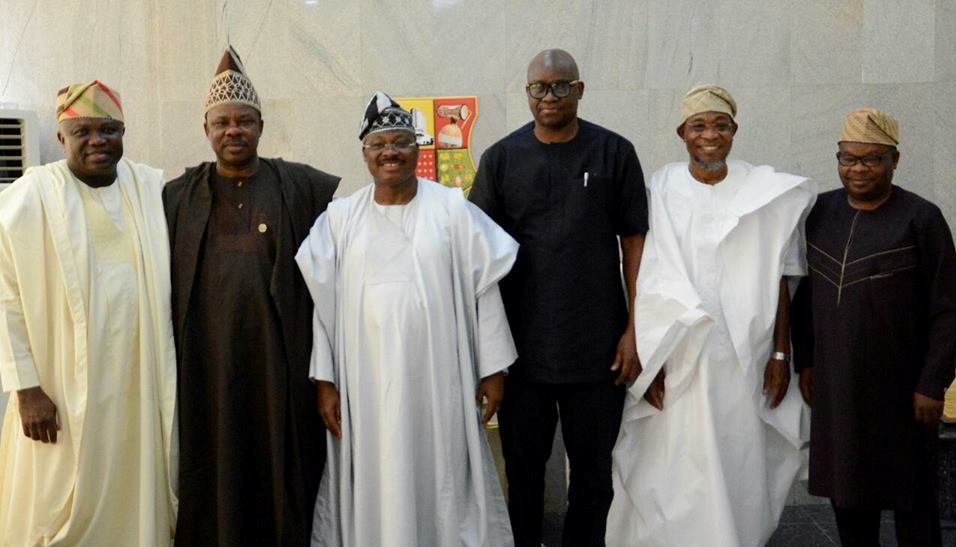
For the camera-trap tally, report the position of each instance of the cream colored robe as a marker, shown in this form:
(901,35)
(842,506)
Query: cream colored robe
(715,466)
(408,319)
(110,477)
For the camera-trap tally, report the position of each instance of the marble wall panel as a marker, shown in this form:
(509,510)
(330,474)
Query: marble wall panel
(946,41)
(944,150)
(309,48)
(186,57)
(826,42)
(682,44)
(896,39)
(765,126)
(754,42)
(468,55)
(397,43)
(608,39)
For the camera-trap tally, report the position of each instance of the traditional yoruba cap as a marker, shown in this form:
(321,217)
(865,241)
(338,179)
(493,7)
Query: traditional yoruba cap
(869,125)
(231,85)
(92,100)
(384,114)
(707,98)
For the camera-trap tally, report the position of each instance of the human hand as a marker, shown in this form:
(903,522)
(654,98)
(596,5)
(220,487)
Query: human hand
(330,407)
(626,359)
(655,392)
(491,388)
(38,415)
(776,380)
(806,385)
(927,410)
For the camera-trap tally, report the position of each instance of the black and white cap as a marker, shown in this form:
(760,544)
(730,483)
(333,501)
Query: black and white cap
(384,114)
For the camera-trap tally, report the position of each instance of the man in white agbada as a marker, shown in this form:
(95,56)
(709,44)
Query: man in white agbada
(409,331)
(712,429)
(87,447)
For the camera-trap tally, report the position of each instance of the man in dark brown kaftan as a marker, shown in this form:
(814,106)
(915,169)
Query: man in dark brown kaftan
(875,340)
(252,447)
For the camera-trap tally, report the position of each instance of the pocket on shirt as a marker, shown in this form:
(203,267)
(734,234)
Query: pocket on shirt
(596,195)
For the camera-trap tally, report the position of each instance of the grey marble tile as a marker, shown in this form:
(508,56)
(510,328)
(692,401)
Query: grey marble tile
(468,52)
(946,41)
(943,191)
(325,135)
(764,119)
(754,42)
(491,124)
(826,42)
(681,44)
(184,66)
(182,142)
(607,39)
(397,43)
(898,38)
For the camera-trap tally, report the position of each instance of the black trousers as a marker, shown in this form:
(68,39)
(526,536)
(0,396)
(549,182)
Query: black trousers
(916,525)
(590,420)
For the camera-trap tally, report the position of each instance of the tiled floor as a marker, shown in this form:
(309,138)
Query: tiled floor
(813,525)
(800,526)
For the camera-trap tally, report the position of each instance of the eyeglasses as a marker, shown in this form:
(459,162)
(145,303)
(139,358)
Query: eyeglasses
(560,90)
(720,127)
(377,147)
(847,160)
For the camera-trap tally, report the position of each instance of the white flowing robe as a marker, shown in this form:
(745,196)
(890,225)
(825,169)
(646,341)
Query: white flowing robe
(408,319)
(67,325)
(715,466)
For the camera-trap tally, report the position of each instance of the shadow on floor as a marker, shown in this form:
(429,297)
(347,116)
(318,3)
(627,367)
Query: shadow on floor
(800,526)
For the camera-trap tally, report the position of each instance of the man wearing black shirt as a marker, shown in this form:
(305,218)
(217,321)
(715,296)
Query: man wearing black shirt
(570,192)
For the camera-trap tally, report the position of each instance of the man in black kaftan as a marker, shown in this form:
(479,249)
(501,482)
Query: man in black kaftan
(251,442)
(875,340)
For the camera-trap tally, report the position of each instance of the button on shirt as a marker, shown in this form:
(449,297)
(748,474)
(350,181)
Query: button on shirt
(565,204)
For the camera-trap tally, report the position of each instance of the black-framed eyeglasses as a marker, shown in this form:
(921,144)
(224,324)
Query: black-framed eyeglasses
(849,160)
(398,146)
(539,90)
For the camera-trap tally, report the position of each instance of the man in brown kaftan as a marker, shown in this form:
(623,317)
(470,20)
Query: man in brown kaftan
(251,441)
(874,332)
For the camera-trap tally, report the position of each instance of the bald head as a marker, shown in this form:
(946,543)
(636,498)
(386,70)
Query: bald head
(556,60)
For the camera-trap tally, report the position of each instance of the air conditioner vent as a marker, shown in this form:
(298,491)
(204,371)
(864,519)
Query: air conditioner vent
(13,152)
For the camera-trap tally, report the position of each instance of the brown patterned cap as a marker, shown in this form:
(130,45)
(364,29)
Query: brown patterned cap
(871,126)
(231,85)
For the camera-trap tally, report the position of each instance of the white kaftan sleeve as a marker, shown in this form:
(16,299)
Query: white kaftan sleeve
(491,251)
(17,368)
(495,349)
(317,261)
(795,255)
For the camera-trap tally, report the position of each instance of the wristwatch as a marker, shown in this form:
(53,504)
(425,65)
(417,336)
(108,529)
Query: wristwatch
(780,356)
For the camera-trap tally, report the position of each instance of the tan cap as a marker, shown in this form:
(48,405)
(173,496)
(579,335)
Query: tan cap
(871,126)
(707,98)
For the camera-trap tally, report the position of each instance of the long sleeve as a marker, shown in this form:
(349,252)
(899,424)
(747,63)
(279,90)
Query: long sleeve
(17,368)
(317,261)
(496,347)
(938,261)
